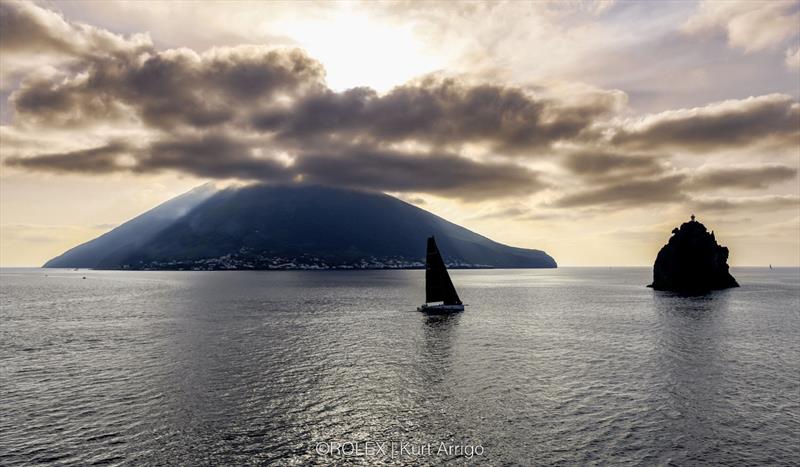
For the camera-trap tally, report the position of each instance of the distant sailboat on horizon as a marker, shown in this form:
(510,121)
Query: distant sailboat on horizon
(438,286)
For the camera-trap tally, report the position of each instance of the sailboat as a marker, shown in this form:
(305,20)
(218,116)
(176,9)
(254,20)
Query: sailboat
(440,295)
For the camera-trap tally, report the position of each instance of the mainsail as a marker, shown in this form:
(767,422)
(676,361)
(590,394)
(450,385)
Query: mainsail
(438,286)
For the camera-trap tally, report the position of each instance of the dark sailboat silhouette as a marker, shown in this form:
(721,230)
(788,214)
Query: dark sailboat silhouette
(438,286)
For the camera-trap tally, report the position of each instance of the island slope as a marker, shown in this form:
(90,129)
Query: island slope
(125,239)
(303,227)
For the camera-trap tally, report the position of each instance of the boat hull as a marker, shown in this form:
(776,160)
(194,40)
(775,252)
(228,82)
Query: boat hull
(440,309)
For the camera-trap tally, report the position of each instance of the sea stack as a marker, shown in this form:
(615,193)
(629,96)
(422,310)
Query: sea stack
(692,262)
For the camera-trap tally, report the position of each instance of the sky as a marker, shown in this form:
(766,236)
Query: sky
(587,129)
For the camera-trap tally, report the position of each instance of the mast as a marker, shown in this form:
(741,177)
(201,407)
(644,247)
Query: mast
(438,286)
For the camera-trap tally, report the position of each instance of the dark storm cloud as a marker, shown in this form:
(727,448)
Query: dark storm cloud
(99,160)
(728,124)
(437,173)
(438,112)
(743,177)
(172,88)
(628,194)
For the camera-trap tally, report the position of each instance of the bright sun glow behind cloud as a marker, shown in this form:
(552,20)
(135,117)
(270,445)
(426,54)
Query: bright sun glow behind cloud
(361,51)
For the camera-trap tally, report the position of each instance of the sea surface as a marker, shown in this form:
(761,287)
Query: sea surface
(572,366)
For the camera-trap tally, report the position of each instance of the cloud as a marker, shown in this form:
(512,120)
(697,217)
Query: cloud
(792,58)
(99,160)
(625,181)
(106,225)
(440,111)
(27,28)
(756,203)
(415,200)
(262,113)
(749,25)
(282,92)
(729,124)
(511,212)
(657,190)
(211,156)
(224,157)
(35,40)
(259,113)
(174,88)
(606,165)
(436,173)
(42,102)
(751,178)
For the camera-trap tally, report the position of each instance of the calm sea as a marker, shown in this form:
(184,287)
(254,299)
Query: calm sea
(566,366)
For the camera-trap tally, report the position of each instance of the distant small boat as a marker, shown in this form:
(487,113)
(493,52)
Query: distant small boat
(440,294)
(770,266)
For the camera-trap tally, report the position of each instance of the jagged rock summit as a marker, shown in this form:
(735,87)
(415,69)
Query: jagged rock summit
(692,262)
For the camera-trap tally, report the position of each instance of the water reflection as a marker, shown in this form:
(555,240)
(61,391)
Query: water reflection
(439,333)
(442,320)
(690,366)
